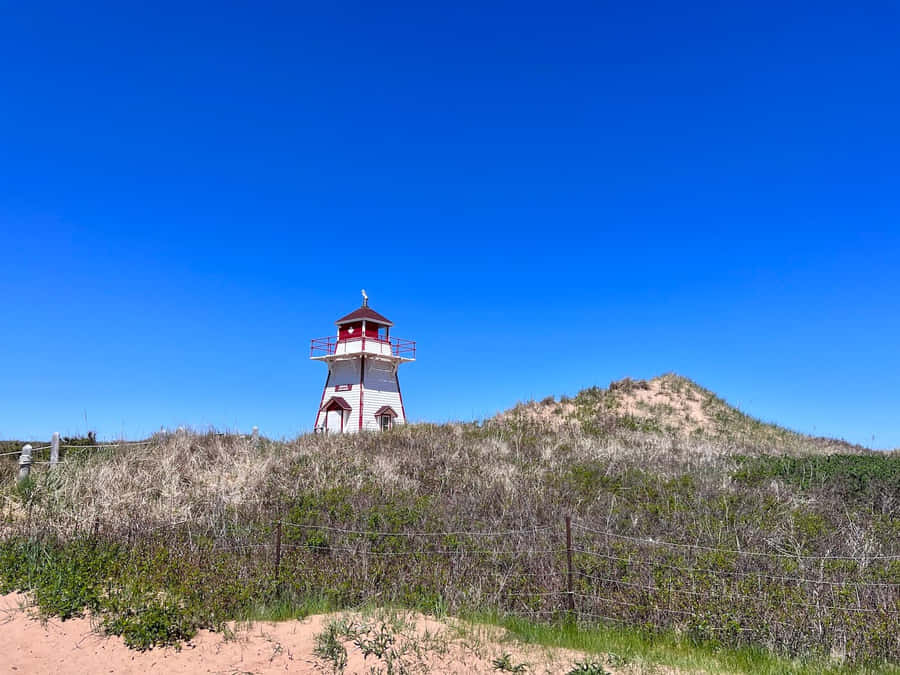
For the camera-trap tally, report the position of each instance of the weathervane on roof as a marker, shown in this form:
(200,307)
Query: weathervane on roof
(365,298)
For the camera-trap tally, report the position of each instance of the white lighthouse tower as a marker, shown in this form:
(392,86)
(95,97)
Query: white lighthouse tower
(362,390)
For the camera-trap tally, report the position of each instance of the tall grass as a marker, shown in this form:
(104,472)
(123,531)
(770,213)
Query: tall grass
(464,518)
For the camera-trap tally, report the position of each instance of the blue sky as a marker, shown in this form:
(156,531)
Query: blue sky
(545,197)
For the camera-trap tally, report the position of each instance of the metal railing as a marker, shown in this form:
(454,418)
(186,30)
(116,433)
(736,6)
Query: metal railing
(327,346)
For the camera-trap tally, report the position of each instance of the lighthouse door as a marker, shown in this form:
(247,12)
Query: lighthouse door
(334,420)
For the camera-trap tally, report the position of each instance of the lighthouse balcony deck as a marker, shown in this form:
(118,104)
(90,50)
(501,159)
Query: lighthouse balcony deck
(395,349)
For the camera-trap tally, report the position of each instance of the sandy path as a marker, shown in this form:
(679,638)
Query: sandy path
(42,647)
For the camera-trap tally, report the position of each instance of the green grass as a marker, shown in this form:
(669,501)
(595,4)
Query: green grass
(454,518)
(854,478)
(152,600)
(287,606)
(623,645)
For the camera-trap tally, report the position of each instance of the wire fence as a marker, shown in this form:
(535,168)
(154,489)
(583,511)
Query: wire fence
(27,451)
(551,572)
(722,550)
(26,454)
(751,592)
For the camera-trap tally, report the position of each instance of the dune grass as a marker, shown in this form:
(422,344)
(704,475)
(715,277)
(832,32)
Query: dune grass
(707,536)
(619,645)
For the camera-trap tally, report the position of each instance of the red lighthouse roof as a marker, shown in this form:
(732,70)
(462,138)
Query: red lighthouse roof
(364,312)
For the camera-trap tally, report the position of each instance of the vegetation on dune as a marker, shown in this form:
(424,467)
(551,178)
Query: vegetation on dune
(717,540)
(674,405)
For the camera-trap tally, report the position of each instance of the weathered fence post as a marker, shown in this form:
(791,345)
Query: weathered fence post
(54,450)
(254,436)
(24,463)
(570,582)
(277,549)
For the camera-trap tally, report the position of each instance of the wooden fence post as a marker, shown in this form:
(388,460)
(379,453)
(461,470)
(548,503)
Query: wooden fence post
(54,450)
(277,549)
(570,583)
(24,463)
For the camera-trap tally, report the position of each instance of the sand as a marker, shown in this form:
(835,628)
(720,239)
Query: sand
(31,645)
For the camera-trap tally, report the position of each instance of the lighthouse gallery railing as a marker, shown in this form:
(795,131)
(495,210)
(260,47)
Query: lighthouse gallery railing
(327,346)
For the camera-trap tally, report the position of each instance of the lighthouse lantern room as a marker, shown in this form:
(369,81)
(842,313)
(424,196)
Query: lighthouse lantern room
(362,390)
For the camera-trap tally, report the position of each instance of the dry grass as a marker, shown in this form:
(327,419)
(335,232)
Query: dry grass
(213,482)
(210,501)
(675,406)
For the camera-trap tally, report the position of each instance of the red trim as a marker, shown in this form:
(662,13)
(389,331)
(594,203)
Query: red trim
(362,379)
(337,401)
(322,400)
(385,410)
(402,409)
(327,346)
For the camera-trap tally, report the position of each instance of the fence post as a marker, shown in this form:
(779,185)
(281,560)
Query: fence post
(277,549)
(54,450)
(570,582)
(24,463)
(255,435)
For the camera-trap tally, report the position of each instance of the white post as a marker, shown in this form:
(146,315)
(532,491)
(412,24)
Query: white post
(24,463)
(255,435)
(54,450)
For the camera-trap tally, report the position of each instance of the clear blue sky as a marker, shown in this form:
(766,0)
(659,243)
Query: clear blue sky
(544,196)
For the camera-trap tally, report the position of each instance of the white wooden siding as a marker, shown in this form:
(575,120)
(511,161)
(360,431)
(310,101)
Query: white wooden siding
(343,373)
(380,389)
(355,346)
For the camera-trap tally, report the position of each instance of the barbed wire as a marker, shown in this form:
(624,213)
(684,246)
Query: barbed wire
(105,445)
(730,595)
(458,533)
(702,547)
(624,622)
(631,604)
(582,614)
(79,447)
(761,575)
(445,551)
(328,548)
(19,452)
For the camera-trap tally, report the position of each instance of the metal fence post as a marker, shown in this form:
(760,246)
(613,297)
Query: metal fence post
(277,549)
(570,582)
(24,463)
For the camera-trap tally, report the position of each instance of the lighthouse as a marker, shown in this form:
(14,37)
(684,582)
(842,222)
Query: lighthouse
(362,391)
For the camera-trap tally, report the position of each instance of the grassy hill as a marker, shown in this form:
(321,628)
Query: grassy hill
(689,520)
(674,405)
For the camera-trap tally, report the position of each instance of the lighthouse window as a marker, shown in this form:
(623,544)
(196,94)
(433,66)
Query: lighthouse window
(386,421)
